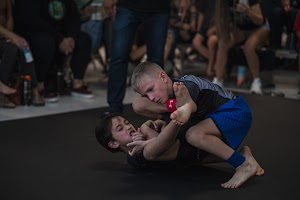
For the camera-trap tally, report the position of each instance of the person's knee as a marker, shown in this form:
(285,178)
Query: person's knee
(197,41)
(195,137)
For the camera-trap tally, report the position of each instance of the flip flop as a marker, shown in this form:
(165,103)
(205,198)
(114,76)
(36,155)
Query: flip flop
(5,102)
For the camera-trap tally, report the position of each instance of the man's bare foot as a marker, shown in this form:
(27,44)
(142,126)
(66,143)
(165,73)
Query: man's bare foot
(246,151)
(185,104)
(242,174)
(4,89)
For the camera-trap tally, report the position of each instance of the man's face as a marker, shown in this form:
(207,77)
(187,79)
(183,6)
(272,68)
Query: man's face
(122,130)
(155,89)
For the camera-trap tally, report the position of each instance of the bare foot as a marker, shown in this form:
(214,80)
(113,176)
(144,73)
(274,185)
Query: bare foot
(185,104)
(246,151)
(4,89)
(243,173)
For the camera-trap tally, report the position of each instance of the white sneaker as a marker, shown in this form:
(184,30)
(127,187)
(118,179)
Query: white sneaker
(256,86)
(218,82)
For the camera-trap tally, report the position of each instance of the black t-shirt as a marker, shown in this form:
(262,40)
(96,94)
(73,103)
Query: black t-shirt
(59,18)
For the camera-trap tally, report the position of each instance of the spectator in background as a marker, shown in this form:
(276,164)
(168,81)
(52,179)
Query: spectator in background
(182,30)
(52,29)
(97,17)
(281,14)
(297,31)
(240,22)
(12,47)
(92,21)
(205,40)
(130,14)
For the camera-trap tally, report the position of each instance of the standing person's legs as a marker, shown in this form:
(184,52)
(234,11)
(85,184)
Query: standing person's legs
(125,26)
(156,29)
(107,37)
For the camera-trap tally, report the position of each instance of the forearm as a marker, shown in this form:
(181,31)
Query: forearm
(4,33)
(255,14)
(162,143)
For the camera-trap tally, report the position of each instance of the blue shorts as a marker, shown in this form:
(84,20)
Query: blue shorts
(233,119)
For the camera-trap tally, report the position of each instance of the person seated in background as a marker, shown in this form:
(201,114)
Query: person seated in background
(182,29)
(281,15)
(240,23)
(12,47)
(52,29)
(97,18)
(297,31)
(205,40)
(92,22)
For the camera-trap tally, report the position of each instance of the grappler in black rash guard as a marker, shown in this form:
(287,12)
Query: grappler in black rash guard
(158,141)
(219,122)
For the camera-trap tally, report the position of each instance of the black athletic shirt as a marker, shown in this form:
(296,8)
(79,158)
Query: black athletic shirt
(207,95)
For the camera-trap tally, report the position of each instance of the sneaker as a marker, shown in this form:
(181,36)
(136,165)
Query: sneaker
(82,92)
(256,86)
(218,82)
(298,94)
(50,97)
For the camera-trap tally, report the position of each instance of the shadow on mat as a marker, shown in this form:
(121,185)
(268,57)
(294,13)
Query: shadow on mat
(188,180)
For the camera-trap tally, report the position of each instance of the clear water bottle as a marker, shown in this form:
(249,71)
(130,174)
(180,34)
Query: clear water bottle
(241,74)
(26,90)
(28,55)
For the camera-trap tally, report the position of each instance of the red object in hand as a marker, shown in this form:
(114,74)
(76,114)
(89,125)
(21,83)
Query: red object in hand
(171,105)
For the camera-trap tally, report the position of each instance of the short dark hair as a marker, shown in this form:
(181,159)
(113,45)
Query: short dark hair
(103,131)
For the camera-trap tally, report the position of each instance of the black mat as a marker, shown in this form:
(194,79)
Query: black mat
(57,157)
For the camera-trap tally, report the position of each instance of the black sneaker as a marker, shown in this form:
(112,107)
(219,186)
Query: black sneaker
(82,92)
(50,97)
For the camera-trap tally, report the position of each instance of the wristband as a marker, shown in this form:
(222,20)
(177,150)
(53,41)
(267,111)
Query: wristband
(171,105)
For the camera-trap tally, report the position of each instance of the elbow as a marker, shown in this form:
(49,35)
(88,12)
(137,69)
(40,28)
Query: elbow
(149,156)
